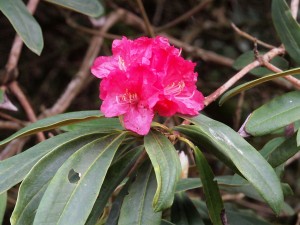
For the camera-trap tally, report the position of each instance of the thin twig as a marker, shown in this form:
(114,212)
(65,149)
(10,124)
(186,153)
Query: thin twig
(14,87)
(13,119)
(294,81)
(266,57)
(146,20)
(184,16)
(9,125)
(251,38)
(82,77)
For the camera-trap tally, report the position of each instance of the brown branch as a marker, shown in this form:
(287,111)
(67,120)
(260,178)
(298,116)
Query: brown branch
(82,77)
(184,16)
(9,125)
(146,20)
(13,148)
(251,38)
(14,87)
(266,57)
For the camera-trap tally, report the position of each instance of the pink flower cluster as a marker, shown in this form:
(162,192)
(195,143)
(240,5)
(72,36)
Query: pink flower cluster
(143,77)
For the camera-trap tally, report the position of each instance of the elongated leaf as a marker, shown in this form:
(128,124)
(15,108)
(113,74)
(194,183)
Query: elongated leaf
(88,7)
(34,185)
(184,212)
(167,168)
(248,57)
(24,23)
(140,195)
(251,84)
(3,200)
(220,138)
(270,146)
(211,190)
(116,173)
(1,96)
(281,111)
(63,200)
(298,137)
(287,28)
(165,222)
(103,124)
(54,122)
(14,169)
(283,152)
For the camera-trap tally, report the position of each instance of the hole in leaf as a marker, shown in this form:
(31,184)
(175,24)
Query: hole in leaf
(73,176)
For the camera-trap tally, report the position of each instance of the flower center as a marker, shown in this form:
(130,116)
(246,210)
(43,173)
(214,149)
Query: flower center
(174,88)
(127,98)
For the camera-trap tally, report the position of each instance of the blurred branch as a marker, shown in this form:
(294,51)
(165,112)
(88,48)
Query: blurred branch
(9,125)
(251,38)
(11,68)
(266,57)
(146,20)
(184,16)
(83,76)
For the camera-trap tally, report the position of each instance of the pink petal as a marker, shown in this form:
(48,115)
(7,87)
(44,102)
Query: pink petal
(138,119)
(103,66)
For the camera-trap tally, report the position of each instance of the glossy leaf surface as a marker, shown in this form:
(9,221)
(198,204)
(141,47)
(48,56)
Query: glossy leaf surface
(24,23)
(3,200)
(279,112)
(54,122)
(226,142)
(91,8)
(62,201)
(167,168)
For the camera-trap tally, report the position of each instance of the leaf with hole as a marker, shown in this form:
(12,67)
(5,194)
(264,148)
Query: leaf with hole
(116,173)
(166,164)
(226,144)
(91,8)
(24,24)
(14,169)
(60,203)
(35,183)
(54,122)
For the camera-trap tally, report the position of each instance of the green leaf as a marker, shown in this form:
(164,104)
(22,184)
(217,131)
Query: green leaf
(184,212)
(287,28)
(279,112)
(3,200)
(210,187)
(283,152)
(103,124)
(165,222)
(14,169)
(63,200)
(91,8)
(298,137)
(271,146)
(1,96)
(116,173)
(24,24)
(256,82)
(34,185)
(167,168)
(140,195)
(54,122)
(248,57)
(224,141)
(245,218)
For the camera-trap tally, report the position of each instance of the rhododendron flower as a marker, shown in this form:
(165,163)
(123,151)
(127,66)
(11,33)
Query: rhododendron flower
(143,77)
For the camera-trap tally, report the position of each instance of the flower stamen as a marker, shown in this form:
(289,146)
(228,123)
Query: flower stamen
(127,98)
(174,88)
